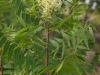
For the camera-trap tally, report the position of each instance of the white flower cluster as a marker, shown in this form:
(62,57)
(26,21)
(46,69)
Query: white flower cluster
(49,6)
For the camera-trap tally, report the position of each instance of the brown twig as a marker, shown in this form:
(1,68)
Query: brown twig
(47,45)
(39,59)
(50,31)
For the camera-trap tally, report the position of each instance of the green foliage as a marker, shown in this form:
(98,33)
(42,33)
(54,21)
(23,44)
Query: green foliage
(23,41)
(4,6)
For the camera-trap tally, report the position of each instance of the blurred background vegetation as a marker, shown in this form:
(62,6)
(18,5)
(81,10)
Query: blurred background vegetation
(92,13)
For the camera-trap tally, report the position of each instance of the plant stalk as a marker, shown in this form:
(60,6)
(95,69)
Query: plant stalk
(47,46)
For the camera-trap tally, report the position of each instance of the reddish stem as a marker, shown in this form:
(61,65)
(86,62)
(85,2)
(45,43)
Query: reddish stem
(47,46)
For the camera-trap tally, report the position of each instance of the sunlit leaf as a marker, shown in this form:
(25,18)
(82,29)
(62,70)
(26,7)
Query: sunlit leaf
(2,41)
(63,49)
(92,34)
(21,21)
(84,38)
(54,43)
(59,67)
(6,47)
